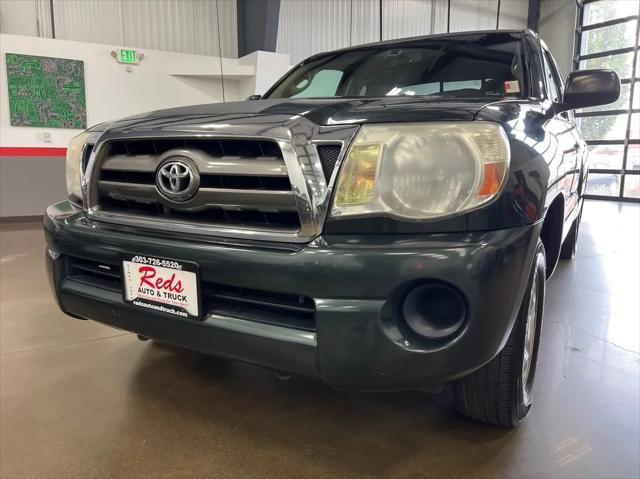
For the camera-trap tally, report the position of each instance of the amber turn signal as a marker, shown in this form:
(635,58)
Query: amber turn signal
(492,176)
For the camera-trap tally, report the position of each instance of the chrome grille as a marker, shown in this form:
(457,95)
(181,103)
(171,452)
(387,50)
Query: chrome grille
(262,177)
(242,182)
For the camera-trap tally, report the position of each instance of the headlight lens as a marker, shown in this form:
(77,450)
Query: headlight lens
(74,165)
(422,171)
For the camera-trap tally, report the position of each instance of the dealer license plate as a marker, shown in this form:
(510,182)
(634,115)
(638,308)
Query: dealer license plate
(160,284)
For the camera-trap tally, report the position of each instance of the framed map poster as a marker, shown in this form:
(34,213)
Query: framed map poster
(46,92)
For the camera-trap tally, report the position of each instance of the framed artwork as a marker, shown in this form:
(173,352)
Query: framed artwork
(46,92)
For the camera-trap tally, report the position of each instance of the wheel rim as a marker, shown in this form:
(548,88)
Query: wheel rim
(530,331)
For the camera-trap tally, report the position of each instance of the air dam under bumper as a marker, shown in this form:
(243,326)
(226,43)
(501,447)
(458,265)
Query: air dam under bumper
(354,280)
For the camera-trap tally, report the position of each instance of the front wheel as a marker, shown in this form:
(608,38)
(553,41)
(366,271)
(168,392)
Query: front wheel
(500,393)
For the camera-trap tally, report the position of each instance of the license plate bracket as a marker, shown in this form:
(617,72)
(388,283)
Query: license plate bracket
(161,285)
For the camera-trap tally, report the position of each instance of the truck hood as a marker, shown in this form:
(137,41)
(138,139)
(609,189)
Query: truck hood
(339,111)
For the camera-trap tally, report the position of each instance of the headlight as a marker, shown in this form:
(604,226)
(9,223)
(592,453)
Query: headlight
(420,171)
(74,165)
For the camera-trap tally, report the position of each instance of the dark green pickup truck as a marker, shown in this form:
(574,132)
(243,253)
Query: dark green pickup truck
(383,218)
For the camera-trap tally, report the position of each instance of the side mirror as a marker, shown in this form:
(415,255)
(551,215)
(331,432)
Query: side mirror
(254,97)
(586,88)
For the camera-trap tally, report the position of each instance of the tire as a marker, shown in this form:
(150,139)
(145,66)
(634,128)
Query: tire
(570,244)
(500,392)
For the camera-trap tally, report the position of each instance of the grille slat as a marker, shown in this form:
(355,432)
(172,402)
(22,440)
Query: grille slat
(94,273)
(222,165)
(259,200)
(277,222)
(130,191)
(243,183)
(212,146)
(147,163)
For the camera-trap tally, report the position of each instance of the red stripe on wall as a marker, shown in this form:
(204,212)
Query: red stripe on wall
(31,151)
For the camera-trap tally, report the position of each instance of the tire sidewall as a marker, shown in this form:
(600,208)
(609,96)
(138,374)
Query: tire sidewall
(524,394)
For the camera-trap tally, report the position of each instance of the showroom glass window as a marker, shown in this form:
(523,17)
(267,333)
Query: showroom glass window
(607,37)
(469,66)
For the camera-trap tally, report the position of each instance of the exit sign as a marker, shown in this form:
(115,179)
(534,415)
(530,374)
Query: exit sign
(125,55)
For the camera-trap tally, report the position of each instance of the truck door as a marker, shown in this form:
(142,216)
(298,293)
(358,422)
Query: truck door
(569,142)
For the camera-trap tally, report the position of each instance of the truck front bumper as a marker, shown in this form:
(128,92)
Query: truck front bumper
(354,281)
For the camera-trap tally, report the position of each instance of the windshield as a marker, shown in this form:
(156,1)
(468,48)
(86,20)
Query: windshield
(479,66)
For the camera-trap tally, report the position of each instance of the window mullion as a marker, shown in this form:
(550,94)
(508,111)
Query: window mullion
(634,73)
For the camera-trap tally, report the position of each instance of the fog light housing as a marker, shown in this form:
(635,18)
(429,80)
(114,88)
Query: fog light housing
(434,311)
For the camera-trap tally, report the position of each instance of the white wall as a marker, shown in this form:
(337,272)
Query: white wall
(307,27)
(112,92)
(473,15)
(188,26)
(18,17)
(269,68)
(514,14)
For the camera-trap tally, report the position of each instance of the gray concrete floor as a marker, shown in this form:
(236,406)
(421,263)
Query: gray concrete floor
(78,399)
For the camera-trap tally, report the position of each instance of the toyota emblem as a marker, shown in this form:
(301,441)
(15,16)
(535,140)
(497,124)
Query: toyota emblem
(177,180)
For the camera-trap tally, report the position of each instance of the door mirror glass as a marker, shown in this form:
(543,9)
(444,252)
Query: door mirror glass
(586,88)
